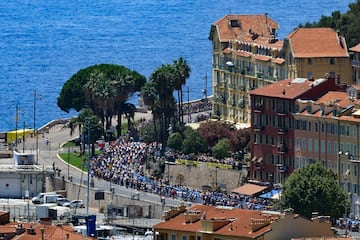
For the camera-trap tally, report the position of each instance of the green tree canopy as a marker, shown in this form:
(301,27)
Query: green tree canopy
(222,149)
(103,88)
(314,189)
(72,95)
(175,141)
(193,142)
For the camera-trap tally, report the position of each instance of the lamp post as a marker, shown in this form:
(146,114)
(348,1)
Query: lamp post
(23,137)
(16,124)
(68,164)
(216,178)
(347,175)
(35,131)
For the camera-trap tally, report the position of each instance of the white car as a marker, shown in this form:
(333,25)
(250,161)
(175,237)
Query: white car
(62,201)
(74,204)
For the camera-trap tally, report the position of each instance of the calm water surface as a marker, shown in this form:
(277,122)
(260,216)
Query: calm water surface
(43,43)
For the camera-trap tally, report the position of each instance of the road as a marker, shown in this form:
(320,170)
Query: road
(49,145)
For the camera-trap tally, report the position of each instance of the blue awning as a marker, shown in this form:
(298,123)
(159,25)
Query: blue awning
(273,194)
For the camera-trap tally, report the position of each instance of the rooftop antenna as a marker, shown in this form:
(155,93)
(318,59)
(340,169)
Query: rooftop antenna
(266,18)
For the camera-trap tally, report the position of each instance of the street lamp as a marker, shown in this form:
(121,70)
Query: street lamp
(16,125)
(216,178)
(347,175)
(68,164)
(23,137)
(35,131)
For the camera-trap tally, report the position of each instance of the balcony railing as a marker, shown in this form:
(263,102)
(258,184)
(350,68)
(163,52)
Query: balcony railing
(258,128)
(282,149)
(259,107)
(355,63)
(281,130)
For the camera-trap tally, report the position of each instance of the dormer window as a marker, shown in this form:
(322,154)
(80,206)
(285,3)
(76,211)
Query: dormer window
(308,108)
(234,23)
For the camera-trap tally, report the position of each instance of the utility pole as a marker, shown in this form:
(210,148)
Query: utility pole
(35,130)
(188,104)
(23,137)
(16,124)
(89,166)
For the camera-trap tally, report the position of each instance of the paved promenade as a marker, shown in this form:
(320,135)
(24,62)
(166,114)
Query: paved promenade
(50,146)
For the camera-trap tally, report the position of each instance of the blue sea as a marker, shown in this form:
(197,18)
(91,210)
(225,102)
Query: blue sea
(43,43)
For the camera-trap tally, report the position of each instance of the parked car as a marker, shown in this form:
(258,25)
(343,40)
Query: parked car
(74,204)
(62,201)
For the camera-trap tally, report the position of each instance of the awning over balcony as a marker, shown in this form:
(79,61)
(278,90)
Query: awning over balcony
(249,189)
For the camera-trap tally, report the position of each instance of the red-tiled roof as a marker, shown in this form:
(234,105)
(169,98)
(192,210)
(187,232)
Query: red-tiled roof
(333,97)
(245,28)
(279,60)
(243,54)
(288,89)
(50,231)
(239,221)
(355,48)
(262,57)
(317,42)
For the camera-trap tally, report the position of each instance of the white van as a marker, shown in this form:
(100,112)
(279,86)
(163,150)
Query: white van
(52,198)
(39,198)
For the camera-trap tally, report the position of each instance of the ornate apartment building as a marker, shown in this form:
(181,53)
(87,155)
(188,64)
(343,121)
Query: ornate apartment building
(328,130)
(245,56)
(273,127)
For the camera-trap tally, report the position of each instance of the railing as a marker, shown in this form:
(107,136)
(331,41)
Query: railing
(281,130)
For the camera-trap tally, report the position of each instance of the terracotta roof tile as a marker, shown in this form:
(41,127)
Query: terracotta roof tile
(279,60)
(334,97)
(355,48)
(259,24)
(287,89)
(243,54)
(50,231)
(238,221)
(317,42)
(262,57)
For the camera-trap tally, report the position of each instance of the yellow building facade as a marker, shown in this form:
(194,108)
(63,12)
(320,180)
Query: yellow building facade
(245,56)
(317,53)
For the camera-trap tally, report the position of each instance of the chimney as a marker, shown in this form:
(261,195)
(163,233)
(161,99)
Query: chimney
(42,230)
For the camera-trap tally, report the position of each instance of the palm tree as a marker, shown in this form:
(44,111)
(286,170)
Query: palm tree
(81,122)
(151,98)
(182,72)
(128,109)
(101,95)
(124,86)
(162,79)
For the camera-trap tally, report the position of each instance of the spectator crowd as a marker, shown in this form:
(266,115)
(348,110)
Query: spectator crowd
(127,163)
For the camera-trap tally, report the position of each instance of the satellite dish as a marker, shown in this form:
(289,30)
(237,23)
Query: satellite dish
(229,63)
